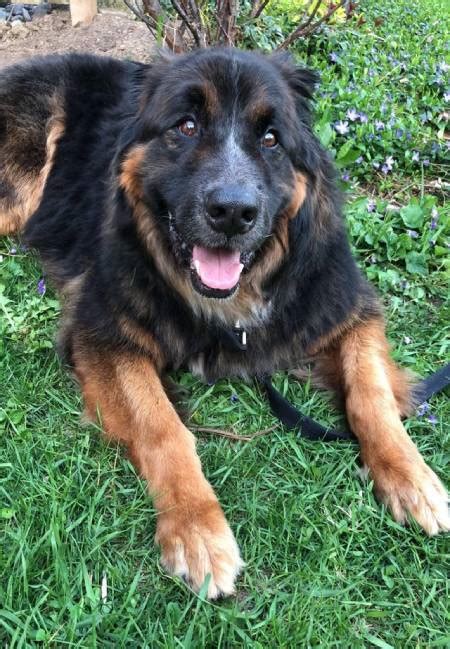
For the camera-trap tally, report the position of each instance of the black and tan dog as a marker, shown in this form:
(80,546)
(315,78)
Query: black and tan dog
(168,202)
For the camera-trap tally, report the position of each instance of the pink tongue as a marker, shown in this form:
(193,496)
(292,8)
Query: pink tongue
(216,267)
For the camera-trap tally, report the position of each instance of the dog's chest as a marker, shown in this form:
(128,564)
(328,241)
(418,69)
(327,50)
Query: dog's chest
(239,353)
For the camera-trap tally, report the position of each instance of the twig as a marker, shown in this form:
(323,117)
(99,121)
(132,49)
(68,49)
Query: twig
(258,8)
(143,17)
(232,435)
(187,22)
(307,28)
(299,29)
(328,15)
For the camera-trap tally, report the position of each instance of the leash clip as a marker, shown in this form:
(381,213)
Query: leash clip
(240,334)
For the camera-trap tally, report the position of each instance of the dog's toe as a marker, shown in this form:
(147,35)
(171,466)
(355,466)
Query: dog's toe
(197,548)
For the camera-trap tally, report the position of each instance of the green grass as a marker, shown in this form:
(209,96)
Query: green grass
(326,565)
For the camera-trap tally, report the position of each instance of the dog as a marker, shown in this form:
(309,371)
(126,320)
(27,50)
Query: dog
(168,202)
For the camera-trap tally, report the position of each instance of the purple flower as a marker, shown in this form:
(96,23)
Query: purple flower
(426,162)
(434,218)
(41,288)
(385,169)
(404,284)
(359,160)
(399,133)
(345,176)
(443,67)
(371,205)
(352,114)
(415,156)
(413,234)
(432,419)
(379,125)
(334,57)
(13,251)
(234,398)
(423,409)
(341,127)
(447,97)
(383,108)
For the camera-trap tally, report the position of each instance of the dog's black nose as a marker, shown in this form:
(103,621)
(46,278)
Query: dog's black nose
(232,209)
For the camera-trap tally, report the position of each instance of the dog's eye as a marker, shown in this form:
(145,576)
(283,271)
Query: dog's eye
(188,128)
(270,140)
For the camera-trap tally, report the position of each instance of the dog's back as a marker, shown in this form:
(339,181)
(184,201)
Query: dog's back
(34,101)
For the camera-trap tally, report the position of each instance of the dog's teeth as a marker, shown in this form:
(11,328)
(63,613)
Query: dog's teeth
(197,265)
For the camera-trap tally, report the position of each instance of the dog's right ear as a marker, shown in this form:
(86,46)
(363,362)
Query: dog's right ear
(155,72)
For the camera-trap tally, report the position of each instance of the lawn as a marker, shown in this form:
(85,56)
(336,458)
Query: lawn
(326,565)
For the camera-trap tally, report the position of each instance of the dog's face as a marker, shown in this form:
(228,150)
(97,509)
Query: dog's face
(228,133)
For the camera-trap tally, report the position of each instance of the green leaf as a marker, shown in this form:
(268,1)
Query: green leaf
(416,263)
(325,134)
(412,215)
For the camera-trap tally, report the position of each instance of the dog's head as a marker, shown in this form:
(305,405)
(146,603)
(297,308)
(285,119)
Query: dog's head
(225,148)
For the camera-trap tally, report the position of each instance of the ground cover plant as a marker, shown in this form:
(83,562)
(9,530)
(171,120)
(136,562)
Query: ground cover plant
(326,565)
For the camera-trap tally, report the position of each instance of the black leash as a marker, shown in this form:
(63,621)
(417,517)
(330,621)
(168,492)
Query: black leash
(293,418)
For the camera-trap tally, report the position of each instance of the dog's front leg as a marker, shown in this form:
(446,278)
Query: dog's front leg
(376,394)
(195,539)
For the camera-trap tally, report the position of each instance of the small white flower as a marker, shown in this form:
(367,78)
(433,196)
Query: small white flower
(389,162)
(352,114)
(341,127)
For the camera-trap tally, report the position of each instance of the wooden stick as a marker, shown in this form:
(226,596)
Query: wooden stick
(82,12)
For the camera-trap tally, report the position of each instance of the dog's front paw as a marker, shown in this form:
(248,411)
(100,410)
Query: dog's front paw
(197,543)
(407,485)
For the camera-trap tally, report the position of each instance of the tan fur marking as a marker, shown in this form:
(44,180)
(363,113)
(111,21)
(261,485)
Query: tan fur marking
(29,187)
(299,194)
(211,98)
(277,246)
(130,178)
(142,338)
(192,530)
(375,390)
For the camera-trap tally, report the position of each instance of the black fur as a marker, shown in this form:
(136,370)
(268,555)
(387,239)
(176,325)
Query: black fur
(86,221)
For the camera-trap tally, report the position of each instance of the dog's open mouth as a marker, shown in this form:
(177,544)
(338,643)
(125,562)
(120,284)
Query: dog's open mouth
(216,271)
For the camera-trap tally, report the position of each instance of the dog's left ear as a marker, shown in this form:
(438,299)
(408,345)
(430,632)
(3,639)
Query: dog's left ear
(302,81)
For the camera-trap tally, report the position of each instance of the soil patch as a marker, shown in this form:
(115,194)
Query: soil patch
(112,33)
